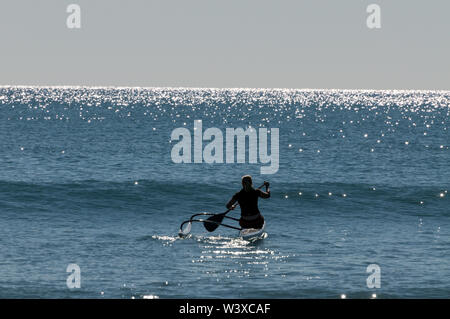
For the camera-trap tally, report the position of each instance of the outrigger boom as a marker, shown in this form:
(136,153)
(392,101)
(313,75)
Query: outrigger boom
(185,232)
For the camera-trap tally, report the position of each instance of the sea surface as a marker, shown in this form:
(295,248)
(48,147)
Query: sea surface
(87,178)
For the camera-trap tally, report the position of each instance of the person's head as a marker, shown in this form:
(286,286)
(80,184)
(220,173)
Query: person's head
(247,183)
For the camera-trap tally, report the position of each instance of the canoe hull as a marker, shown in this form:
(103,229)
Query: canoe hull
(250,233)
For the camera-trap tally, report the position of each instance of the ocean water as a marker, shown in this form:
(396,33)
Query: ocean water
(86,177)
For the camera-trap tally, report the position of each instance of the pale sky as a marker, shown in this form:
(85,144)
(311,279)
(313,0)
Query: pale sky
(227,43)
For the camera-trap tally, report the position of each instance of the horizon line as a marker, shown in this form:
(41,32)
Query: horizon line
(212,88)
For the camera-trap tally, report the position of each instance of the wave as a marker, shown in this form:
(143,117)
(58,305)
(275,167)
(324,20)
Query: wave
(145,193)
(90,188)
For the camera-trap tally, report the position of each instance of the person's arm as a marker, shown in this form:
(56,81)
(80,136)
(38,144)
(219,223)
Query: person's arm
(231,202)
(265,194)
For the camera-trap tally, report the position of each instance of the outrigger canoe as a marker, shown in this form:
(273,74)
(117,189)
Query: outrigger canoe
(244,233)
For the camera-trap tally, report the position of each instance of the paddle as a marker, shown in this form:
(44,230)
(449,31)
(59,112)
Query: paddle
(214,221)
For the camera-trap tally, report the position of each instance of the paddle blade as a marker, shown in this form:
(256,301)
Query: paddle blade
(213,222)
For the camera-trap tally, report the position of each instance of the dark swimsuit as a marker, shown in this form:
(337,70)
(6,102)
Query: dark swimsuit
(250,215)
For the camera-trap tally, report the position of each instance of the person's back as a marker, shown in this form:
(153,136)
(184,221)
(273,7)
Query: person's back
(248,201)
